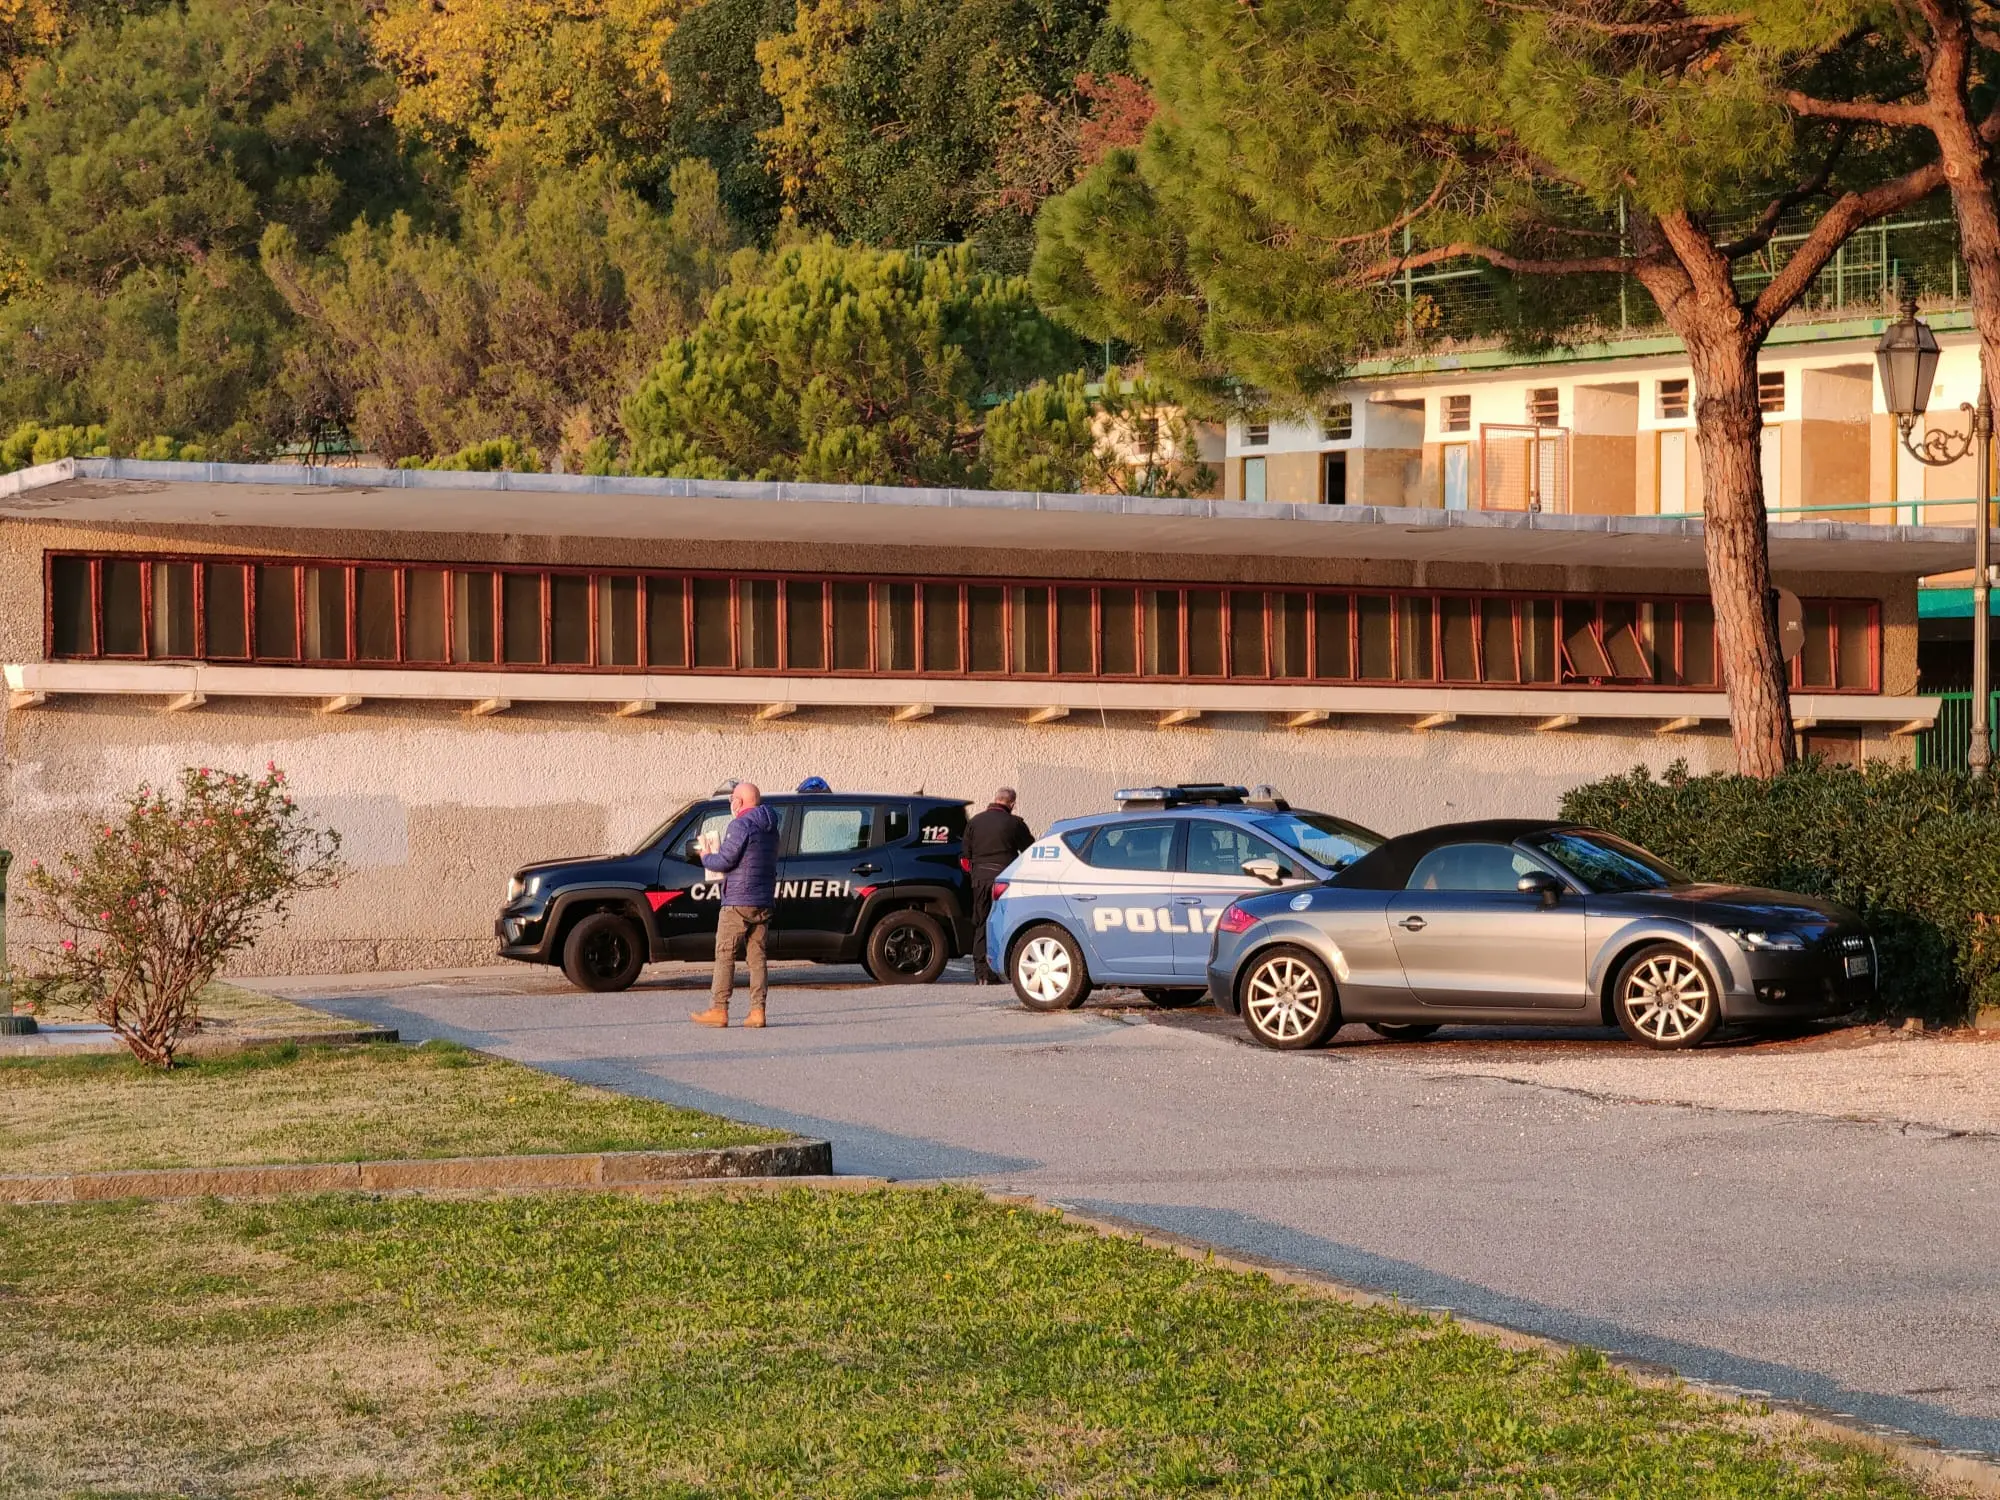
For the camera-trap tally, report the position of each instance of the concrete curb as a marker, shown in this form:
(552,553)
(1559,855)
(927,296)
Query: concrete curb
(630,1170)
(1963,1472)
(44,1044)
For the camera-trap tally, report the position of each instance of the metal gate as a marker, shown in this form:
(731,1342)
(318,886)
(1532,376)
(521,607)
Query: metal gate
(1524,468)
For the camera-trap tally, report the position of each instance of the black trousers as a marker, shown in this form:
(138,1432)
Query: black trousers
(982,908)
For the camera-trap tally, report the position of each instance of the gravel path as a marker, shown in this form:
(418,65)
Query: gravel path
(1945,1083)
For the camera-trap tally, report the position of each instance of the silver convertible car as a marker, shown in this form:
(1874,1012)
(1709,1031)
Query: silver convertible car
(1531,924)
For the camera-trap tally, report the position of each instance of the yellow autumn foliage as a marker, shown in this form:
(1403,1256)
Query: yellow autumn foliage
(799,66)
(560,81)
(29,31)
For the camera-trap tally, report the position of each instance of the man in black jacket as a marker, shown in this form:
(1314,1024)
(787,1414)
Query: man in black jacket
(993,839)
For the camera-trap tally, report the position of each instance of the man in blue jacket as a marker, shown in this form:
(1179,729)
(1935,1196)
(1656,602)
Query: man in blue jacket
(747,859)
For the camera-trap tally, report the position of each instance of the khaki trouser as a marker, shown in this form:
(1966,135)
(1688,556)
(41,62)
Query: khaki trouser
(744,927)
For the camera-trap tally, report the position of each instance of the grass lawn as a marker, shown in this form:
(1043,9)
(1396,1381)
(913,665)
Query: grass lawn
(803,1344)
(286,1103)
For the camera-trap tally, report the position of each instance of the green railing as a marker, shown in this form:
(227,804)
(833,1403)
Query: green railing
(1945,743)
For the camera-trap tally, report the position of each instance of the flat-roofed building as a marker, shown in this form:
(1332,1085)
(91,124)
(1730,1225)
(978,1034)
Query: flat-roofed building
(463,672)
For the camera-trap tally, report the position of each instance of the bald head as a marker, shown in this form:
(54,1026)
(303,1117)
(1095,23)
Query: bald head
(744,796)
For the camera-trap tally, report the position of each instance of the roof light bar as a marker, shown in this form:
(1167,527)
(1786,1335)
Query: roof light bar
(1185,794)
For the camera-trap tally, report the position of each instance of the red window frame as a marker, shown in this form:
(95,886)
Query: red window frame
(1668,627)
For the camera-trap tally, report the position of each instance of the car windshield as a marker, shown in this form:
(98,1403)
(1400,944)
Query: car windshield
(1602,864)
(1329,842)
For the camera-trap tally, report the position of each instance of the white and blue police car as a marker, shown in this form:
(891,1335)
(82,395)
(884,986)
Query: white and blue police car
(1129,898)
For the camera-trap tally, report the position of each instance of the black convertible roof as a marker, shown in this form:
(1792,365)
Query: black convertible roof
(1387,867)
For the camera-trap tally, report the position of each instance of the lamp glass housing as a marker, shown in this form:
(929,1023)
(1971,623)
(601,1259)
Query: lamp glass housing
(1906,357)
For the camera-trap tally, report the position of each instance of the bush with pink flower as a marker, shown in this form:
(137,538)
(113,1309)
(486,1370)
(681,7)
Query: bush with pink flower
(158,901)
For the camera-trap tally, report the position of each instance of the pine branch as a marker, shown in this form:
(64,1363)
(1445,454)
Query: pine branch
(1436,193)
(1677,26)
(1871,112)
(1383,270)
(1784,203)
(1847,215)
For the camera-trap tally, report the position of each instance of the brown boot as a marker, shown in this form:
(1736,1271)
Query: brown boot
(715,1015)
(756,1018)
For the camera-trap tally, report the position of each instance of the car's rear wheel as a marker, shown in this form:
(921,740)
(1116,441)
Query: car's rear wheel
(1288,1000)
(1402,1031)
(1168,999)
(906,947)
(1047,970)
(603,952)
(1666,997)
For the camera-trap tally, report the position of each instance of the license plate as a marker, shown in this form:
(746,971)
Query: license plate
(1858,966)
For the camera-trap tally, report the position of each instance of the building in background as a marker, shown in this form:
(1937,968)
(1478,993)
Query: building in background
(463,672)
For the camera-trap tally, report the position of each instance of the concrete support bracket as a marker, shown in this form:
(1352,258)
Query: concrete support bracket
(1433,721)
(1175,716)
(1047,714)
(342,703)
(1913,726)
(909,713)
(776,711)
(1804,724)
(1684,722)
(1306,718)
(1557,721)
(632,708)
(28,698)
(485,708)
(181,702)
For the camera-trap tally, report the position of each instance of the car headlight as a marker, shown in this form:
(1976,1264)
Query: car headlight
(517,887)
(1771,940)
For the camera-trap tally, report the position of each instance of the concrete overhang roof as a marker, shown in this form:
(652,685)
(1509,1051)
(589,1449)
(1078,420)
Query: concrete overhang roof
(235,496)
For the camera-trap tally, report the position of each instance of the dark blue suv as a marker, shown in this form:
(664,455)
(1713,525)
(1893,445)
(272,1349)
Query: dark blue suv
(862,878)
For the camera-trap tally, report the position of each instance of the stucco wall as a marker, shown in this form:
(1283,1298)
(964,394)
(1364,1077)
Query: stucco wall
(438,808)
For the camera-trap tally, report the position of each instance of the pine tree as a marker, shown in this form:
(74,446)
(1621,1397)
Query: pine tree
(1302,145)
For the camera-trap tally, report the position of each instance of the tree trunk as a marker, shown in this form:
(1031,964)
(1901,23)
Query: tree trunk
(1728,430)
(1968,169)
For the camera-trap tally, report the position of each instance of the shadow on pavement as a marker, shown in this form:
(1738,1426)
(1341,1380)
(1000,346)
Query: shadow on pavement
(1424,1288)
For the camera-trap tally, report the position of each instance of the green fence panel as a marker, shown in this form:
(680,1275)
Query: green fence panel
(1945,744)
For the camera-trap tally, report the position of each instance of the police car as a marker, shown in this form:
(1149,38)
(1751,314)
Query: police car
(1129,898)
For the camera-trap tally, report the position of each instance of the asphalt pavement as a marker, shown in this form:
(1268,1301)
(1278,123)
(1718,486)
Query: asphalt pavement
(1852,1265)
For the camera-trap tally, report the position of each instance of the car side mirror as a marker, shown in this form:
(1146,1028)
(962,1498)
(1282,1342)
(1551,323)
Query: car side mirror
(1540,883)
(1267,870)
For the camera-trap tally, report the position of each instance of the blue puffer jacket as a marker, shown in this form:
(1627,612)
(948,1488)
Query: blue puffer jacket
(749,859)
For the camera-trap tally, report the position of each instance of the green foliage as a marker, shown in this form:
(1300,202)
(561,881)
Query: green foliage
(31,443)
(162,897)
(843,365)
(490,457)
(1123,439)
(783,1344)
(148,158)
(719,105)
(533,320)
(1917,853)
(897,113)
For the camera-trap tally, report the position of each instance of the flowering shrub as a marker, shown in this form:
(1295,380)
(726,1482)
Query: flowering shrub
(165,894)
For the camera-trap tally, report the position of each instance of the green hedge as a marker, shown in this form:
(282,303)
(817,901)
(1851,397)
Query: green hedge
(1917,853)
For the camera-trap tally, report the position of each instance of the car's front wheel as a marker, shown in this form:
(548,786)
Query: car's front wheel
(906,947)
(603,952)
(1047,970)
(1666,997)
(1288,1000)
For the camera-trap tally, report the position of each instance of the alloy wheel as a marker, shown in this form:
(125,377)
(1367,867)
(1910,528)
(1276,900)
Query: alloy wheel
(1668,997)
(907,949)
(1284,998)
(1043,969)
(606,955)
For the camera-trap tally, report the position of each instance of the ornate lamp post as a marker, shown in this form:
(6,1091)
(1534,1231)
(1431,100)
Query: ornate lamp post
(1907,358)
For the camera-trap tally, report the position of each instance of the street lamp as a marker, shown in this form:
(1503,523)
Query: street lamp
(1907,358)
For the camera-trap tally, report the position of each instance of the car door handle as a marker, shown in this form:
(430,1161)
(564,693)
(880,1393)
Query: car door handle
(1187,900)
(866,869)
(1083,896)
(1412,924)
